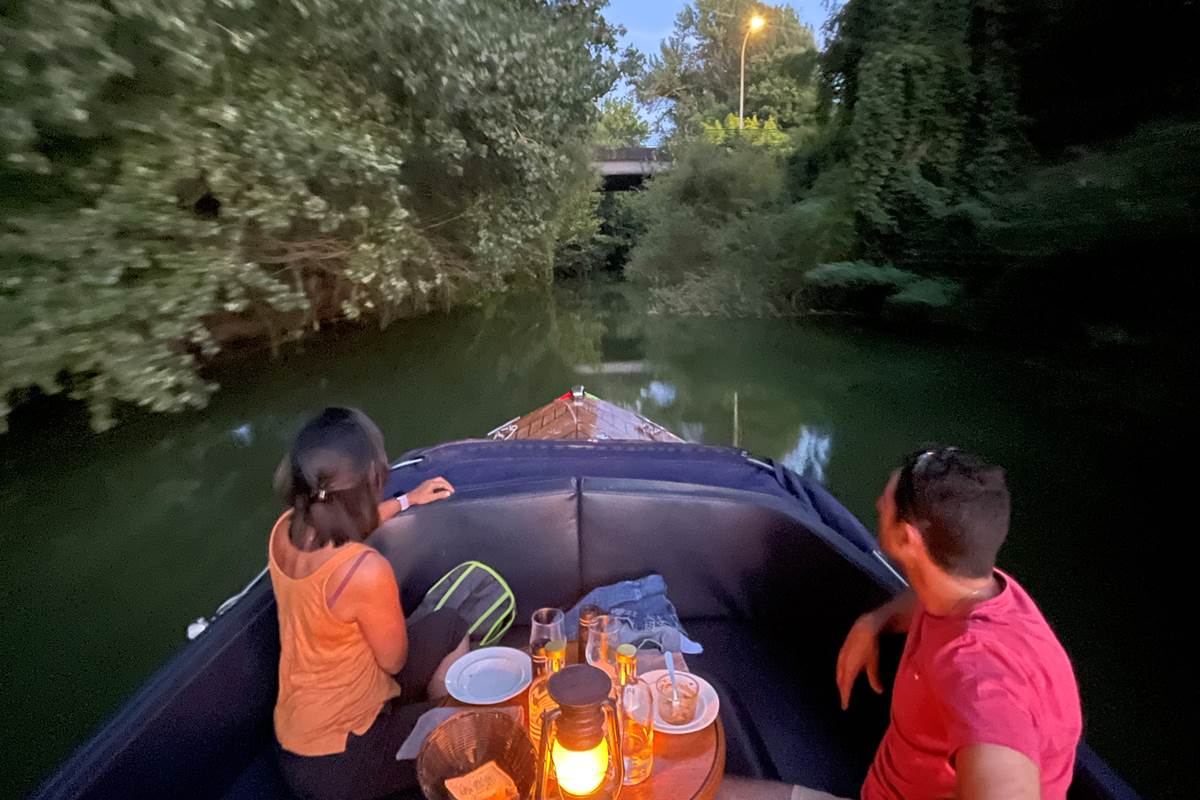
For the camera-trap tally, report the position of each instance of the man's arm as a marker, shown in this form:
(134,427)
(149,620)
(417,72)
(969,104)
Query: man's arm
(895,616)
(996,772)
(860,651)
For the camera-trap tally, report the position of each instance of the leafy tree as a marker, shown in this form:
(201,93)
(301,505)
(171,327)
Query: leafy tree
(926,98)
(723,235)
(695,75)
(750,130)
(620,124)
(177,171)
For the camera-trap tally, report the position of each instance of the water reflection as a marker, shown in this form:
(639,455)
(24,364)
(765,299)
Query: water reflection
(613,368)
(660,393)
(243,434)
(810,455)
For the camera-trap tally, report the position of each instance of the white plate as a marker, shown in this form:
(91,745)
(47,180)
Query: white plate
(707,705)
(489,675)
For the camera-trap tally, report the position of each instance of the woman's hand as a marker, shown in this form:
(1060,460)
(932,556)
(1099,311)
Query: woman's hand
(433,489)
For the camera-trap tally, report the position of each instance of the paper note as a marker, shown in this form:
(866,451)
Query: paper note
(488,782)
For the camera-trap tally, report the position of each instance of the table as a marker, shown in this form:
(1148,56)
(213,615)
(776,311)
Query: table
(687,767)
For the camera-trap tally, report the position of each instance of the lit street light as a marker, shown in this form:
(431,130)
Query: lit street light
(756,24)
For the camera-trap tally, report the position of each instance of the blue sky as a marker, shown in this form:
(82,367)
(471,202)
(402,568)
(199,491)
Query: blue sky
(651,21)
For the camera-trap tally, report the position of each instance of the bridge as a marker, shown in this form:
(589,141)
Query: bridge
(625,168)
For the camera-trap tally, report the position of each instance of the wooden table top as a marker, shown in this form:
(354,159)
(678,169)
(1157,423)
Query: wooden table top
(686,767)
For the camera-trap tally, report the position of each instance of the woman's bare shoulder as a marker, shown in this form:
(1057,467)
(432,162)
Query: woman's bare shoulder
(372,578)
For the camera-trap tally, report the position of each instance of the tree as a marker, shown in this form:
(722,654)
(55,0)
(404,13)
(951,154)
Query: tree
(174,170)
(750,131)
(621,125)
(723,236)
(695,76)
(925,96)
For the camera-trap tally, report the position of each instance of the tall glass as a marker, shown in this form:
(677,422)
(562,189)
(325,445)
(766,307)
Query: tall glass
(635,702)
(546,625)
(603,639)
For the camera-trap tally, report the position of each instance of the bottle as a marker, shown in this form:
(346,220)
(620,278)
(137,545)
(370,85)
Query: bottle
(635,703)
(553,658)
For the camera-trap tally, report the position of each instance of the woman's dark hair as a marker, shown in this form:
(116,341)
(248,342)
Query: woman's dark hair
(959,503)
(332,478)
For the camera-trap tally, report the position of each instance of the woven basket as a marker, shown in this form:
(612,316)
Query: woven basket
(470,740)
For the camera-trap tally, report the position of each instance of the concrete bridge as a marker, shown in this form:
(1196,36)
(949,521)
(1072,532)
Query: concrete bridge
(626,168)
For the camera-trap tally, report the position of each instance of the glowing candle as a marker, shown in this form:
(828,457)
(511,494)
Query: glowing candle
(580,772)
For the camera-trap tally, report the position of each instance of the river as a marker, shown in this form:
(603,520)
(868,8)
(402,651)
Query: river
(113,543)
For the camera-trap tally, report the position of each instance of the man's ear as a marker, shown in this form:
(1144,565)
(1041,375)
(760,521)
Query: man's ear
(912,540)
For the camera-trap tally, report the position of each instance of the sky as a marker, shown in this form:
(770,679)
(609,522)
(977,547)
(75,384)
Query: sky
(650,21)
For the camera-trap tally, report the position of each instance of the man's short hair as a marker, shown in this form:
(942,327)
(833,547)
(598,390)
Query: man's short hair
(959,503)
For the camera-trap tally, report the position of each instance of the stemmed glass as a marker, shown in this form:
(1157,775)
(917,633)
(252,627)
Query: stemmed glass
(604,638)
(546,625)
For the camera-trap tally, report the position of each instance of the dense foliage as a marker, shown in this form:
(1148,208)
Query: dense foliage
(180,175)
(620,124)
(750,130)
(175,174)
(922,187)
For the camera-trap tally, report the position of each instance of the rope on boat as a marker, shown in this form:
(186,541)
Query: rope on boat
(505,431)
(201,624)
(889,566)
(407,463)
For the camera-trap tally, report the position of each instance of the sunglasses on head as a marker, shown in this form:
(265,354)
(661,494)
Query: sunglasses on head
(919,467)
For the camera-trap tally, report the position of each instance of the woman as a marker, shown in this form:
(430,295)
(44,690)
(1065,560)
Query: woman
(340,715)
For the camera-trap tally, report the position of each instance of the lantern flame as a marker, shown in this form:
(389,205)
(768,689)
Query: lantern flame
(580,772)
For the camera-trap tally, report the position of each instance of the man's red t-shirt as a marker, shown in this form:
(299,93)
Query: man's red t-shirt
(995,676)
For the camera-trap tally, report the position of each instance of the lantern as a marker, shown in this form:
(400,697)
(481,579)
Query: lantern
(580,753)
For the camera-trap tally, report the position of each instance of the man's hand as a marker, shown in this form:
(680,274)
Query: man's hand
(860,651)
(433,489)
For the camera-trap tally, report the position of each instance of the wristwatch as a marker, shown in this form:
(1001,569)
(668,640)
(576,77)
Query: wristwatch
(404,504)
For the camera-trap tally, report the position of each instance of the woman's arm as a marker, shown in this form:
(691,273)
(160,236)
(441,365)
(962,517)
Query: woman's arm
(372,599)
(433,489)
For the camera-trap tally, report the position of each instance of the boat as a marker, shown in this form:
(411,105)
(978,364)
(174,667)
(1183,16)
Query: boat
(577,415)
(767,569)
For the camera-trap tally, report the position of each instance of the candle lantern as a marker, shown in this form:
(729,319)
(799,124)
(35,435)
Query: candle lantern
(580,753)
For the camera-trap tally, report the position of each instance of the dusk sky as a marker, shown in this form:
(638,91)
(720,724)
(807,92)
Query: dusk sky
(651,21)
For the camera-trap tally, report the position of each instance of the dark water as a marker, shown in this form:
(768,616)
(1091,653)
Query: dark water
(112,544)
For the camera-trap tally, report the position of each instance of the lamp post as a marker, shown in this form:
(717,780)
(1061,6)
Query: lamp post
(756,24)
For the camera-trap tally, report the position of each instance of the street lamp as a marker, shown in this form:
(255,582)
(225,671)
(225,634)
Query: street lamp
(756,24)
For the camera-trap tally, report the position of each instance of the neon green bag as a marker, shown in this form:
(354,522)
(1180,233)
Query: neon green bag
(479,595)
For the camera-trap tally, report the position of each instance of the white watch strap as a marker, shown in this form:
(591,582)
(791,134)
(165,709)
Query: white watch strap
(404,504)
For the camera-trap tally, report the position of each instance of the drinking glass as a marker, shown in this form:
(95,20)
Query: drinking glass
(677,704)
(604,638)
(546,625)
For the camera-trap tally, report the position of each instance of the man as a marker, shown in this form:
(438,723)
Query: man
(985,704)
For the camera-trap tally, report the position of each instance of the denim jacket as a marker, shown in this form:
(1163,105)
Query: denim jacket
(650,618)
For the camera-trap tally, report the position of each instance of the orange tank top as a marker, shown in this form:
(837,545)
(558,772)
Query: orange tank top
(330,684)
